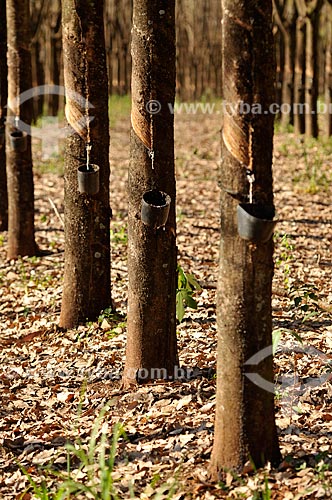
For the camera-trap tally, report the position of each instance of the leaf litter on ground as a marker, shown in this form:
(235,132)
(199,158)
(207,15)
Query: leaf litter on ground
(168,426)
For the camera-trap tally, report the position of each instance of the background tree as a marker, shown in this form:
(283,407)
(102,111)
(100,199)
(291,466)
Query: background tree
(299,77)
(328,72)
(3,104)
(198,58)
(21,237)
(285,17)
(151,338)
(118,16)
(245,425)
(311,11)
(86,289)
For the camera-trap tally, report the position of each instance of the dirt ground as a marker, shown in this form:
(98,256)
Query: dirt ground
(54,383)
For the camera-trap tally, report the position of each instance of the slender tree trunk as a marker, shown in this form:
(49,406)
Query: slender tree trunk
(285,17)
(38,78)
(278,42)
(309,14)
(21,238)
(287,84)
(311,81)
(245,424)
(3,104)
(86,289)
(328,73)
(151,342)
(55,36)
(37,18)
(299,82)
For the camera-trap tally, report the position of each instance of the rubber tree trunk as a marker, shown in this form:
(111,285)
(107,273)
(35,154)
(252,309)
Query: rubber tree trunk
(299,81)
(86,288)
(245,422)
(279,51)
(3,104)
(21,237)
(288,82)
(52,69)
(285,16)
(151,343)
(311,85)
(310,12)
(328,73)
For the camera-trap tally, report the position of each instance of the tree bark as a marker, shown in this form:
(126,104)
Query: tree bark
(311,82)
(328,73)
(3,104)
(151,341)
(299,81)
(310,13)
(285,16)
(245,423)
(86,289)
(21,237)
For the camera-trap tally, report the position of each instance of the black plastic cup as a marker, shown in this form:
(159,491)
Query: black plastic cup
(255,223)
(88,179)
(18,141)
(155,208)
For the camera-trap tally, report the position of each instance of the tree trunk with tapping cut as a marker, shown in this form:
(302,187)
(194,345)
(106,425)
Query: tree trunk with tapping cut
(151,341)
(21,233)
(86,289)
(245,427)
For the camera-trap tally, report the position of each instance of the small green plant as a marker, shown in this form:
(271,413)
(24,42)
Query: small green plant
(90,469)
(285,256)
(305,300)
(117,330)
(276,336)
(22,270)
(324,466)
(179,215)
(266,493)
(53,165)
(187,286)
(113,318)
(119,236)
(313,178)
(96,465)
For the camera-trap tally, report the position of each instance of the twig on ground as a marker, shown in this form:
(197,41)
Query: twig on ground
(56,212)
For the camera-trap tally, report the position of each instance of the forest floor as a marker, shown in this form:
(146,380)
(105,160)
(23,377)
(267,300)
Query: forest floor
(54,384)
